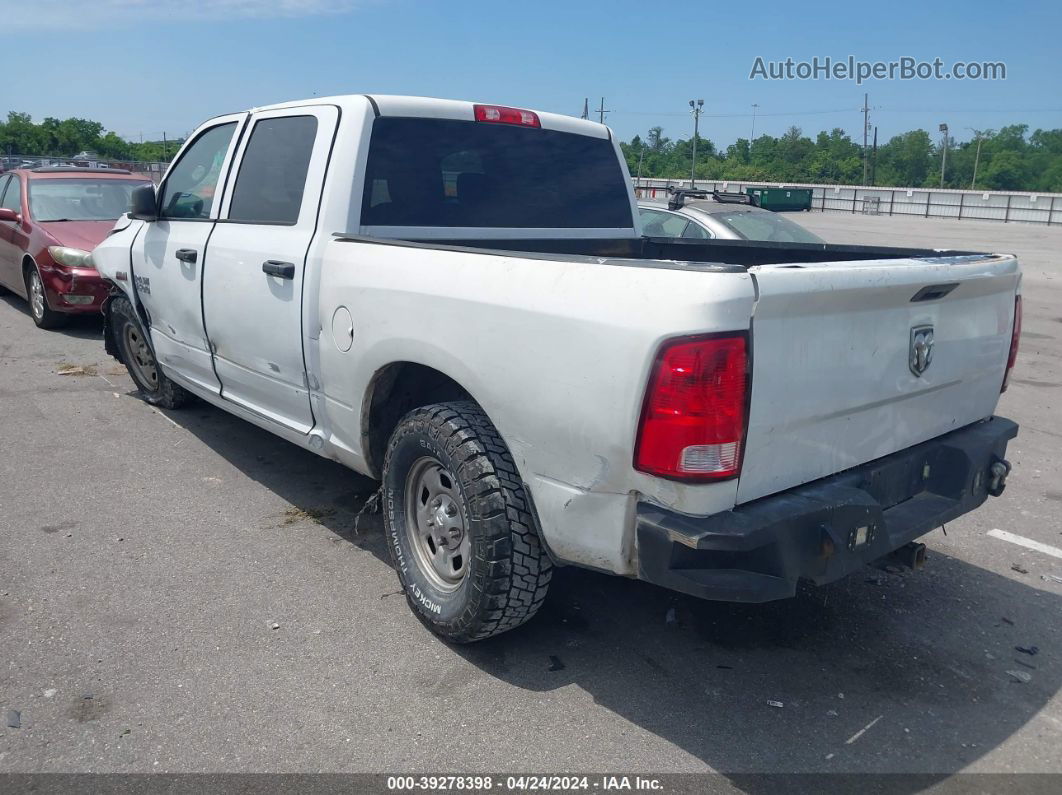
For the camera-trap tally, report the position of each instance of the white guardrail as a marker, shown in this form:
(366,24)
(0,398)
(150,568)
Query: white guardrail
(974,205)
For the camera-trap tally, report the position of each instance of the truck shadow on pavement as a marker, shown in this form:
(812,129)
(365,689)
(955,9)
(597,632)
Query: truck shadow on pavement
(885,673)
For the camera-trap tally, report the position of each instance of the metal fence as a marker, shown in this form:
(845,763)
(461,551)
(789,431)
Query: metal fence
(153,170)
(1006,206)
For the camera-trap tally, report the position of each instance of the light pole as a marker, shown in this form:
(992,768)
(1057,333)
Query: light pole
(977,156)
(943,153)
(696,108)
(752,137)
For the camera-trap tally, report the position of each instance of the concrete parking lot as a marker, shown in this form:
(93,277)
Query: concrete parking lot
(181,591)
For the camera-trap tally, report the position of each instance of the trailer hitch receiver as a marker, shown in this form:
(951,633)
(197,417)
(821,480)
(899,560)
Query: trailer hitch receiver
(997,476)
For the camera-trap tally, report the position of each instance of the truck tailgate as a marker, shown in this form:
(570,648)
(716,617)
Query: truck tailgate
(833,382)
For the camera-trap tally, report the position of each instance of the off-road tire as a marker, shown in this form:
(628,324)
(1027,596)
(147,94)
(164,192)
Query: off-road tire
(508,571)
(43,315)
(158,392)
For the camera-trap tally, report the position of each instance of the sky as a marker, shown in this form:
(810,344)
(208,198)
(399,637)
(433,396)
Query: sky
(142,67)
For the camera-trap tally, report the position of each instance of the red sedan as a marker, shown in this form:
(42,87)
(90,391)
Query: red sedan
(50,220)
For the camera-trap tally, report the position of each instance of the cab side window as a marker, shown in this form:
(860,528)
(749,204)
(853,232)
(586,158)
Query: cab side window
(273,171)
(13,195)
(192,184)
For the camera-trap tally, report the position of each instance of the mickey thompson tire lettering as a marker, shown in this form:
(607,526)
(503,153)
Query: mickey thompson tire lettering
(508,571)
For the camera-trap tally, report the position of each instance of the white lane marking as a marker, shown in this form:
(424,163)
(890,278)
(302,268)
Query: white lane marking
(1028,543)
(165,417)
(862,731)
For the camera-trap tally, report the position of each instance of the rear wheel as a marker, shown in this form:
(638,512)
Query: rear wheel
(459,527)
(139,358)
(42,314)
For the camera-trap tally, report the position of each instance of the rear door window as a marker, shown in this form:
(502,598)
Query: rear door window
(273,170)
(450,173)
(656,223)
(695,231)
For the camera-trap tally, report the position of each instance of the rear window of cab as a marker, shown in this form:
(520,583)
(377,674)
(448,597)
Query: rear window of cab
(450,173)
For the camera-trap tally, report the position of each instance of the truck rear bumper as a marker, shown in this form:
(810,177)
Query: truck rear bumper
(826,529)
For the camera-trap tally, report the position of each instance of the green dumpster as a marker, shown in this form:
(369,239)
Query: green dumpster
(781,199)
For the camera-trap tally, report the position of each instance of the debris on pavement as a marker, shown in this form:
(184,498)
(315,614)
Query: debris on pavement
(372,505)
(1032,651)
(14,719)
(670,617)
(1020,676)
(862,731)
(274,625)
(775,704)
(555,663)
(1018,568)
(1051,578)
(51,691)
(76,369)
(1006,620)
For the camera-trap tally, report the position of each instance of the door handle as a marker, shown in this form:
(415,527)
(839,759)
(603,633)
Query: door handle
(187,254)
(285,270)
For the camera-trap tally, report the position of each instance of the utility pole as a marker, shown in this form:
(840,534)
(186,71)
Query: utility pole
(586,108)
(752,137)
(977,157)
(696,109)
(943,152)
(874,158)
(601,111)
(866,124)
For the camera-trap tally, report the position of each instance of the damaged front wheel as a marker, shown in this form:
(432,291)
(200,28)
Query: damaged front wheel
(138,356)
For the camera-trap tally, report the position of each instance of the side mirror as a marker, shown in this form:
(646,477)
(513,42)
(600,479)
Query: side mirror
(10,215)
(142,204)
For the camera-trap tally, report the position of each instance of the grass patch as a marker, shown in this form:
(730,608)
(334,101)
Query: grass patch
(294,515)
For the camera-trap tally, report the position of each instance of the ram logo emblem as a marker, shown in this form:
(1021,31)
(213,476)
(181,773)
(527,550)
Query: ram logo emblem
(921,352)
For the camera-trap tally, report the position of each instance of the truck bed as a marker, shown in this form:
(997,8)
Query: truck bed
(723,255)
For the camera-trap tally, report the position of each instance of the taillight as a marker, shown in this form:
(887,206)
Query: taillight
(693,419)
(1015,337)
(502,115)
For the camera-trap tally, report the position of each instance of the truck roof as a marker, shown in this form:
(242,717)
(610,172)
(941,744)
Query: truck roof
(435,108)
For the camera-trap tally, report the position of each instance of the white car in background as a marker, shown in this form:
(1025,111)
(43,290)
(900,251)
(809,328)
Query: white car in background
(699,215)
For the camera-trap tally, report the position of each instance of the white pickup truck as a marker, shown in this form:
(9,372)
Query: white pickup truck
(456,299)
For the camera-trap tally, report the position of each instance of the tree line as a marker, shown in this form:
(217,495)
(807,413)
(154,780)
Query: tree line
(1009,159)
(20,135)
